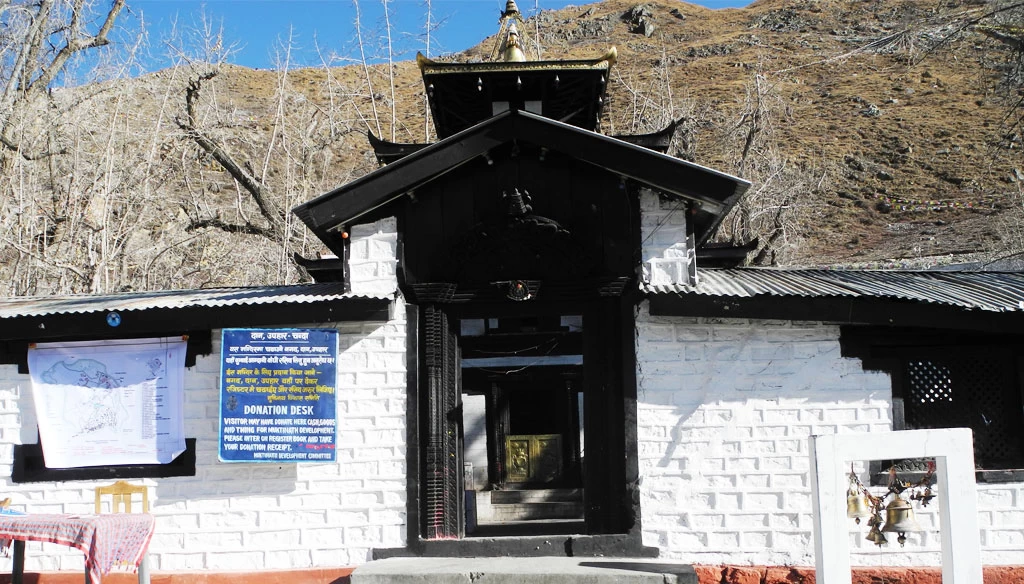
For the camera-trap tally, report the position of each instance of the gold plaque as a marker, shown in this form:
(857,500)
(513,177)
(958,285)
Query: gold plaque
(533,458)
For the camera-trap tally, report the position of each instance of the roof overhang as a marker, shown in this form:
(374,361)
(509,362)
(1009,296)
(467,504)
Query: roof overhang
(978,301)
(711,192)
(140,313)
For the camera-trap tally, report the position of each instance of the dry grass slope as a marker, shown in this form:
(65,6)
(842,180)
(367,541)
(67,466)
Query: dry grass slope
(864,146)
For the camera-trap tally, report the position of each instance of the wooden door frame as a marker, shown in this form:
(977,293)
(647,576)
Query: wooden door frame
(609,424)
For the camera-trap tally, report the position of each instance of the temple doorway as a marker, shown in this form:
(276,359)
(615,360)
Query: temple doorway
(524,416)
(523,446)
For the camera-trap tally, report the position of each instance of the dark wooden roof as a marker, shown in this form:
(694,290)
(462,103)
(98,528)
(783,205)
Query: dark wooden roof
(463,94)
(713,193)
(388,152)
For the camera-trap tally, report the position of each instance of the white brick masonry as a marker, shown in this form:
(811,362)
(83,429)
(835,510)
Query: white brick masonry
(724,411)
(373,258)
(262,516)
(255,516)
(666,259)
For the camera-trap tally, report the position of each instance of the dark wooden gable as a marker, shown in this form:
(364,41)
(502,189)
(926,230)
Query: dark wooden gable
(521,213)
(449,196)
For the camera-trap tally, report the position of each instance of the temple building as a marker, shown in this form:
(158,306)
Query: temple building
(521,237)
(529,353)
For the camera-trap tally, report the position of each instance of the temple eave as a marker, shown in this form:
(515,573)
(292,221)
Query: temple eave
(431,67)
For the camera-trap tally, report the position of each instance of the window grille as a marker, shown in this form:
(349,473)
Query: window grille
(973,390)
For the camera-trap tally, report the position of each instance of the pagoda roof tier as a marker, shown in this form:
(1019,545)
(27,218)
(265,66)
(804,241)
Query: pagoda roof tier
(464,94)
(388,152)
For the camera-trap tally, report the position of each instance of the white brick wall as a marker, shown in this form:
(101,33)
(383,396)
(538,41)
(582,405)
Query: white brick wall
(373,258)
(256,516)
(666,259)
(263,516)
(724,411)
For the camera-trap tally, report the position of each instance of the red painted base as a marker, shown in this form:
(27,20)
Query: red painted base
(787,575)
(309,576)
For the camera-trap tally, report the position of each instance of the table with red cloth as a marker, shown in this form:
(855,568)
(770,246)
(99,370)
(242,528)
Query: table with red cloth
(106,540)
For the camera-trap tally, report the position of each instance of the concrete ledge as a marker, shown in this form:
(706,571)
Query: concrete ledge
(578,546)
(542,570)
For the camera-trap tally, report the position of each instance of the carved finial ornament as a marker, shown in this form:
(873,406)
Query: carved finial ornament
(510,42)
(510,9)
(513,52)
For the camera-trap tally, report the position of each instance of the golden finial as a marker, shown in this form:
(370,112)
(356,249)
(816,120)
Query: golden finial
(513,52)
(510,42)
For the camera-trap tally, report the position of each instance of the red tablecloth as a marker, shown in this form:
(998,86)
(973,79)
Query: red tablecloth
(106,540)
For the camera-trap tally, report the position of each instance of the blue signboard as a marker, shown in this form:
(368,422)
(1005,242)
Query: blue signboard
(277,395)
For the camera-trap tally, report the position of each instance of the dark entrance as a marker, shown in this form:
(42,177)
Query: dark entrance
(548,389)
(522,424)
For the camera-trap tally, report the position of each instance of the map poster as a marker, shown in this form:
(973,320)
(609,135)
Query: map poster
(115,402)
(277,395)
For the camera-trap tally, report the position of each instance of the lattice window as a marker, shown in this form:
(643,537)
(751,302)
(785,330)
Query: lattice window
(978,390)
(929,382)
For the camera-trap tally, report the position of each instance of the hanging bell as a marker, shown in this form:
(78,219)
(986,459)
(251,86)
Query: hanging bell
(876,537)
(899,518)
(857,505)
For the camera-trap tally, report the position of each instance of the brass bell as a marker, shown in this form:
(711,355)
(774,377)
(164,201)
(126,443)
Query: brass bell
(876,537)
(899,518)
(857,505)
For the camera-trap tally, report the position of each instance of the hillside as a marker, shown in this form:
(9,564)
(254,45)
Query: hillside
(874,135)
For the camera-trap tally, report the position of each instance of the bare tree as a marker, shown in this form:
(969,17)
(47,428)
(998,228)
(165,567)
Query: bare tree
(770,213)
(363,59)
(39,39)
(76,161)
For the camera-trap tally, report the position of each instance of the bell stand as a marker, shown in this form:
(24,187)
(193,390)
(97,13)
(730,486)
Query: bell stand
(953,450)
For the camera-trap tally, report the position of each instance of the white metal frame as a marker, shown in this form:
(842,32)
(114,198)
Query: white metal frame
(953,450)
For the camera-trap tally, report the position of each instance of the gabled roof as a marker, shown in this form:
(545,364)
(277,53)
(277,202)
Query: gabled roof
(713,192)
(991,301)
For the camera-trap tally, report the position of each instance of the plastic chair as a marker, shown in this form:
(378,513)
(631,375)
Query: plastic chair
(121,499)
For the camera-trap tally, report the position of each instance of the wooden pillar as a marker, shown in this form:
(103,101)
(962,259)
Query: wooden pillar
(497,430)
(604,458)
(443,490)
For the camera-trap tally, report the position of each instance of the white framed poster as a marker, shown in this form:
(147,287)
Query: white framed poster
(113,402)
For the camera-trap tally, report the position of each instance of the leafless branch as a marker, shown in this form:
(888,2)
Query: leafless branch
(257,190)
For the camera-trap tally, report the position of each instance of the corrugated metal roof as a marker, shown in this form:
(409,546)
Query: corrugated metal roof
(989,291)
(170,299)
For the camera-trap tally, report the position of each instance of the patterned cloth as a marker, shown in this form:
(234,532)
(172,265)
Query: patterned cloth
(106,540)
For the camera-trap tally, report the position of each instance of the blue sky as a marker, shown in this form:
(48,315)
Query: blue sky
(256,27)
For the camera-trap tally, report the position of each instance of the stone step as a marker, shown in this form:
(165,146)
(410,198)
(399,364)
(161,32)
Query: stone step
(527,511)
(537,570)
(536,496)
